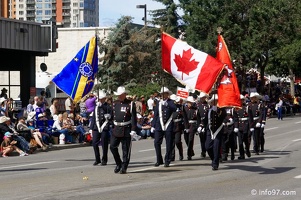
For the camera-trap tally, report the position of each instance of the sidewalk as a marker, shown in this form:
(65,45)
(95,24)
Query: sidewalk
(66,146)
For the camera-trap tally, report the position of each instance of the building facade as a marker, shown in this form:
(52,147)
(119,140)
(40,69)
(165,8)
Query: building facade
(67,13)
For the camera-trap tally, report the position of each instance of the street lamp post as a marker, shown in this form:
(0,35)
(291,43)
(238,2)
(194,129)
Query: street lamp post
(143,6)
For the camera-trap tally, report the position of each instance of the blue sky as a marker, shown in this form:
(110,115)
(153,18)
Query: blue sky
(111,10)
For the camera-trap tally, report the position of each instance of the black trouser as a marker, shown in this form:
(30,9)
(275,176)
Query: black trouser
(228,142)
(159,135)
(189,140)
(213,148)
(261,139)
(243,140)
(104,136)
(256,139)
(203,141)
(126,150)
(177,138)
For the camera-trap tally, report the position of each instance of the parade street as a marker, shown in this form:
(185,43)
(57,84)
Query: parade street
(69,173)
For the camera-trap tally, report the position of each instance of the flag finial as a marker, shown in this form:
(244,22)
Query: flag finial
(219,30)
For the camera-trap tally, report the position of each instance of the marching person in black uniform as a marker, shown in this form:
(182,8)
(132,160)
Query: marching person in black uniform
(228,140)
(202,109)
(190,123)
(162,125)
(214,118)
(245,121)
(258,117)
(100,126)
(263,121)
(125,122)
(178,127)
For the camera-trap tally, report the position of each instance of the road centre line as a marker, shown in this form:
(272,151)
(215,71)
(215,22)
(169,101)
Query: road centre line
(296,140)
(31,164)
(297,122)
(267,129)
(282,134)
(299,176)
(150,149)
(145,169)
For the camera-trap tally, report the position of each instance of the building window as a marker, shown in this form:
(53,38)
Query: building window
(10,80)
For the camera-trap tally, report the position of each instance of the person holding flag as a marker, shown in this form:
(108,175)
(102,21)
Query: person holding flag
(163,125)
(214,119)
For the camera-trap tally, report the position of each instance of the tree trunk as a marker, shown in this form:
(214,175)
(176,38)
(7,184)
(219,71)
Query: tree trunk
(292,84)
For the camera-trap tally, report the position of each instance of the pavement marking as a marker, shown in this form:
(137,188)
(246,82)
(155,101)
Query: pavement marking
(299,176)
(40,163)
(296,140)
(267,129)
(150,149)
(297,122)
(148,168)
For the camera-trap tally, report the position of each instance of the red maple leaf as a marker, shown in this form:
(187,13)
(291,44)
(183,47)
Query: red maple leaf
(184,64)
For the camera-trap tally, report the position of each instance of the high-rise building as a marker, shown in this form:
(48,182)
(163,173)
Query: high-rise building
(67,13)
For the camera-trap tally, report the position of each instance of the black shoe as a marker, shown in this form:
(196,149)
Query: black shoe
(181,158)
(103,163)
(232,157)
(203,154)
(166,165)
(189,158)
(172,159)
(96,163)
(117,168)
(257,153)
(158,164)
(123,171)
(248,154)
(214,168)
(224,159)
(241,158)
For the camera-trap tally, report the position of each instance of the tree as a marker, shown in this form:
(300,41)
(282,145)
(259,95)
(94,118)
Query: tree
(254,30)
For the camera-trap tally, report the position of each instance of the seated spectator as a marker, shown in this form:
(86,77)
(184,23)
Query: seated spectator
(35,133)
(79,128)
(62,128)
(5,126)
(9,145)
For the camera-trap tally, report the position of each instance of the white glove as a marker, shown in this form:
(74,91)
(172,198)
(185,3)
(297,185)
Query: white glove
(186,130)
(214,108)
(257,125)
(152,129)
(107,116)
(203,130)
(236,130)
(132,133)
(262,125)
(199,129)
(251,129)
(230,121)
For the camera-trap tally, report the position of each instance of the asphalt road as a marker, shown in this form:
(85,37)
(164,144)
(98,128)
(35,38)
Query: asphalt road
(69,174)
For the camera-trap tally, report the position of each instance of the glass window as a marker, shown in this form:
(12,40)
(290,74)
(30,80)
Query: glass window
(48,12)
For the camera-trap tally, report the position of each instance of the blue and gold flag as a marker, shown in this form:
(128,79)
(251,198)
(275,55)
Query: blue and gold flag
(77,77)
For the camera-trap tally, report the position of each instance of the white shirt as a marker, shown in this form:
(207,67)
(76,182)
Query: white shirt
(150,103)
(68,104)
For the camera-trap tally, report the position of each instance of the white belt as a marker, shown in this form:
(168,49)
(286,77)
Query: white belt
(192,121)
(255,118)
(244,118)
(122,123)
(177,120)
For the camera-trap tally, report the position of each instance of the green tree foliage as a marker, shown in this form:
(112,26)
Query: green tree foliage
(257,32)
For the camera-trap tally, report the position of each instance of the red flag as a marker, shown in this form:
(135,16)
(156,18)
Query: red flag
(228,91)
(188,65)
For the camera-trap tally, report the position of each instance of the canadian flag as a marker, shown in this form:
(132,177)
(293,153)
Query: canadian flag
(188,65)
(228,90)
